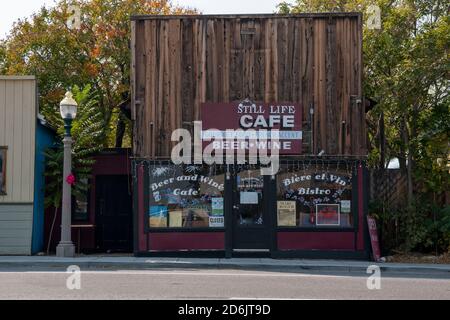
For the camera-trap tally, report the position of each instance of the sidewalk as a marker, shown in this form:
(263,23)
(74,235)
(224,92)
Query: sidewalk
(102,262)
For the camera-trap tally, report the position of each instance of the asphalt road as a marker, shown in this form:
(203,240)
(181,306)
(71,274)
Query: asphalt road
(215,284)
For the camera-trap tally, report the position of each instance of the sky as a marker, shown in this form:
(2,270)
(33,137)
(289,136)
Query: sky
(12,10)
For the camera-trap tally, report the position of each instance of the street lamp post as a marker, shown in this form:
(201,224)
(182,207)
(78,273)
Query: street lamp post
(68,108)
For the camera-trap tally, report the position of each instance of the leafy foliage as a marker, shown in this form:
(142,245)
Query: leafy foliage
(98,53)
(407,72)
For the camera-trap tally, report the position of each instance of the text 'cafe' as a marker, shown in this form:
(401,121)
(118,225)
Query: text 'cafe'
(286,88)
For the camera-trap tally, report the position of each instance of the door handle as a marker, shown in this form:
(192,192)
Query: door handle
(236,207)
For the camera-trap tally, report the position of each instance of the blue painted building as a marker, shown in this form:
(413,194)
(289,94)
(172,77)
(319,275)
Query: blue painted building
(45,138)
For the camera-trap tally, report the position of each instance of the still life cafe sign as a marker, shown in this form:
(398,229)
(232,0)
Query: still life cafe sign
(238,126)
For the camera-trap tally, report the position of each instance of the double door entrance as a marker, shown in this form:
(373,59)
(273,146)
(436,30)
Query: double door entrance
(251,210)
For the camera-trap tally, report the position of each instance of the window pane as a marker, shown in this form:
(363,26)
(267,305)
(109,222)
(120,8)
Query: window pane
(314,197)
(186,196)
(80,204)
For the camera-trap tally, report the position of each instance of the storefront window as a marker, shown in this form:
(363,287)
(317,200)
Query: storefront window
(314,196)
(80,204)
(186,196)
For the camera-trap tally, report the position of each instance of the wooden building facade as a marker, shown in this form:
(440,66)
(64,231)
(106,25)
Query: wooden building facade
(204,68)
(178,63)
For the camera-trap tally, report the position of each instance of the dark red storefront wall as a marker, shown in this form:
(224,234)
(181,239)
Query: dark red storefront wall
(324,241)
(172,241)
(112,162)
(187,241)
(108,162)
(330,241)
(316,241)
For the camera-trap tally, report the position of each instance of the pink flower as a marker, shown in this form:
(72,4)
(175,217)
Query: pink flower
(71,179)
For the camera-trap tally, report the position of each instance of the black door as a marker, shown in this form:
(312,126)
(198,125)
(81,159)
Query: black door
(250,215)
(114,218)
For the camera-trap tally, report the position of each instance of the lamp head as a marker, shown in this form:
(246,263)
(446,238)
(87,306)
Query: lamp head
(68,107)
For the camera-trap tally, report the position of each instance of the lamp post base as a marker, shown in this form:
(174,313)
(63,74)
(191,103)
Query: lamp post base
(65,250)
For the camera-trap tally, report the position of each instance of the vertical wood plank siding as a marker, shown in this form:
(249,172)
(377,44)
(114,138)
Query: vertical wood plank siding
(17,133)
(180,62)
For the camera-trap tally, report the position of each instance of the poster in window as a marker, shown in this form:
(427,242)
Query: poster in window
(346,206)
(171,198)
(176,219)
(249,198)
(328,215)
(3,170)
(217,206)
(287,213)
(196,217)
(216,222)
(158,216)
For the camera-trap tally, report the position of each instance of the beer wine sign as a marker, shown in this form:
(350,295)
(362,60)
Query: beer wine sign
(276,125)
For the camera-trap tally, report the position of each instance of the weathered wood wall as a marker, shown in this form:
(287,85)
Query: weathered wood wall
(179,62)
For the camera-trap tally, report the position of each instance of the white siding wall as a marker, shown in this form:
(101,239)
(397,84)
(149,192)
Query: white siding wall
(17,132)
(16,224)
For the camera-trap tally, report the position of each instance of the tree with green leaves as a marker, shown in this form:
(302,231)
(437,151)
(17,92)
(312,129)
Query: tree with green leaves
(407,70)
(94,50)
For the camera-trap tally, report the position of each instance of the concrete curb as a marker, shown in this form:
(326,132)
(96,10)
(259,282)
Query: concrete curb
(240,264)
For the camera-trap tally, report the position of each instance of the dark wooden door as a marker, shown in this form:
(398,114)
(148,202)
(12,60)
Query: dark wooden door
(114,214)
(251,229)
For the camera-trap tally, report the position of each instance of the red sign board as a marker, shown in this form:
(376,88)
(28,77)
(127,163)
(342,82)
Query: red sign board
(374,238)
(261,119)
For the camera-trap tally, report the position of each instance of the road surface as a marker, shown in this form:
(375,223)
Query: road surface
(214,284)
